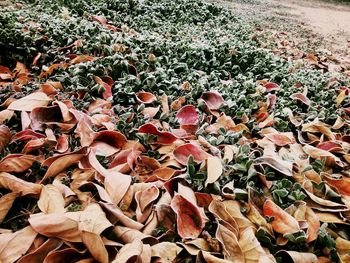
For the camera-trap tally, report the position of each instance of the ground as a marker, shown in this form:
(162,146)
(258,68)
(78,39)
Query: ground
(328,20)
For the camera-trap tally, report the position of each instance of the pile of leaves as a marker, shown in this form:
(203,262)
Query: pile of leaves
(160,131)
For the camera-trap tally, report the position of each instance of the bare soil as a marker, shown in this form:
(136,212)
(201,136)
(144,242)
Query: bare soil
(327,24)
(330,20)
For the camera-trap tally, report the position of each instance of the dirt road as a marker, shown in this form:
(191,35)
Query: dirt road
(332,21)
(329,21)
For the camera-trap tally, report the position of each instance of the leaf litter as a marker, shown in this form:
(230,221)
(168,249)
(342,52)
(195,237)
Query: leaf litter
(124,165)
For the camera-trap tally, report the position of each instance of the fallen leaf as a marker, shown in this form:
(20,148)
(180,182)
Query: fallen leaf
(297,257)
(51,200)
(95,245)
(17,185)
(29,102)
(6,202)
(214,169)
(187,115)
(5,137)
(213,99)
(14,245)
(40,253)
(188,218)
(283,222)
(93,219)
(145,97)
(166,251)
(16,163)
(163,138)
(116,185)
(58,225)
(343,249)
(250,246)
(231,249)
(183,152)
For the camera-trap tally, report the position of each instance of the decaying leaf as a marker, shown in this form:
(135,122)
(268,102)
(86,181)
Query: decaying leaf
(282,222)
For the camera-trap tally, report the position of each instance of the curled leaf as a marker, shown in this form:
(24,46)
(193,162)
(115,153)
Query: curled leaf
(187,115)
(163,138)
(183,152)
(283,222)
(188,218)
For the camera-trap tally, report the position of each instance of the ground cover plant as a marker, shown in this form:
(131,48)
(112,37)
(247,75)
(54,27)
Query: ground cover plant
(163,131)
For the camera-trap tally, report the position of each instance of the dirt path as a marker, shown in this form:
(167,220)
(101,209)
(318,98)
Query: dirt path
(332,21)
(328,22)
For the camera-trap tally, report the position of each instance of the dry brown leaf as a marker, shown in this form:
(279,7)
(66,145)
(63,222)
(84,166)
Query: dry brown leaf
(51,200)
(320,154)
(116,185)
(6,202)
(214,169)
(343,249)
(209,258)
(275,162)
(250,246)
(231,249)
(17,185)
(166,251)
(39,254)
(218,209)
(297,257)
(16,163)
(5,136)
(130,252)
(14,245)
(95,245)
(233,208)
(93,219)
(63,226)
(115,214)
(29,102)
(60,163)
(313,224)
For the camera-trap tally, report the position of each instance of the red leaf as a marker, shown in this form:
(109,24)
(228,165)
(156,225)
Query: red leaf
(330,146)
(107,88)
(271,101)
(113,138)
(183,152)
(163,138)
(213,99)
(301,97)
(27,135)
(189,220)
(145,97)
(270,86)
(187,115)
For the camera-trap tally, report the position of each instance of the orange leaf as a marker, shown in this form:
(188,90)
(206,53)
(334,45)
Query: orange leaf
(283,222)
